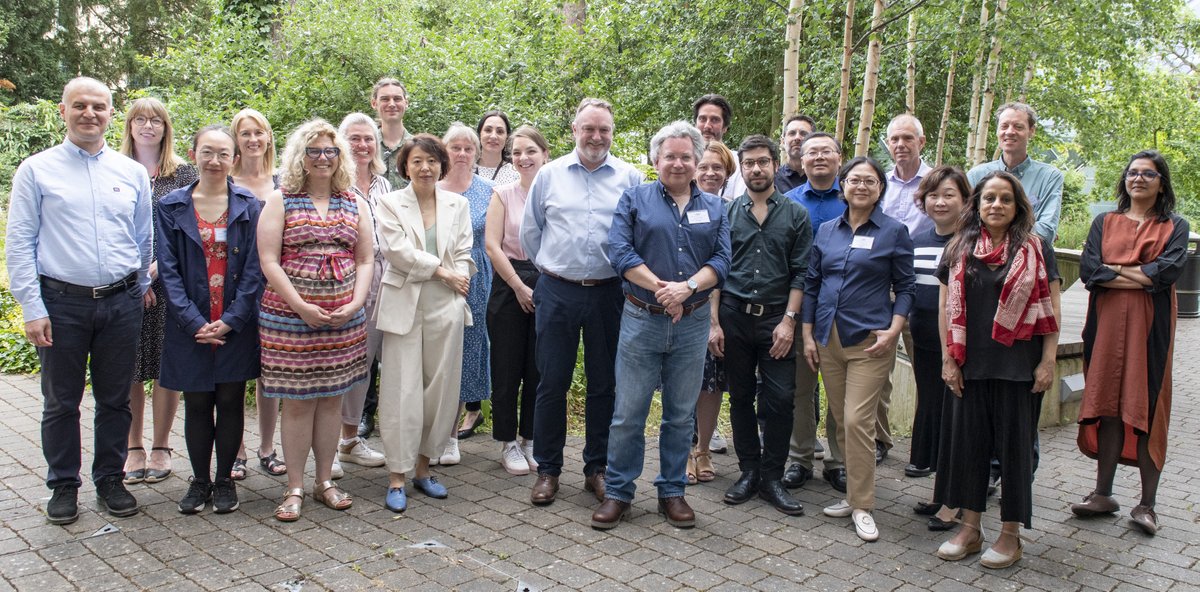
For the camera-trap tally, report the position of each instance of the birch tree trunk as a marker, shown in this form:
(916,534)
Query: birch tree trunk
(870,81)
(910,102)
(1028,77)
(791,59)
(945,123)
(976,82)
(989,89)
(844,92)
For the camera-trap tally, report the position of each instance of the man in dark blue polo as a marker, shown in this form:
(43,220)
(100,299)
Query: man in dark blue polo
(670,244)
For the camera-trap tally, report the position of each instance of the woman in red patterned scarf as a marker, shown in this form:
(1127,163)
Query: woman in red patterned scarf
(1000,291)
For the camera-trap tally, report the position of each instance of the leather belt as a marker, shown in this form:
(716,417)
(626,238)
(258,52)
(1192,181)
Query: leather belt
(584,283)
(662,310)
(752,308)
(95,292)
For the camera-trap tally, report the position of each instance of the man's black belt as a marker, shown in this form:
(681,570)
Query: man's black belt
(662,310)
(752,308)
(96,292)
(584,283)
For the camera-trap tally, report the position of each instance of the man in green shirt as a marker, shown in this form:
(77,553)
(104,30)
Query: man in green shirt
(389,99)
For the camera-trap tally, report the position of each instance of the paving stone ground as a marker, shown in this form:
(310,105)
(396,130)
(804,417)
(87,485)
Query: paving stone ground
(487,536)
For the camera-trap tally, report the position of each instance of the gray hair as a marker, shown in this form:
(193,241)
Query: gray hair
(1021,107)
(377,167)
(592,102)
(88,82)
(677,129)
(459,131)
(909,116)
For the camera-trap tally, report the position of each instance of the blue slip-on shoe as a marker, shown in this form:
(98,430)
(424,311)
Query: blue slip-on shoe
(430,487)
(396,500)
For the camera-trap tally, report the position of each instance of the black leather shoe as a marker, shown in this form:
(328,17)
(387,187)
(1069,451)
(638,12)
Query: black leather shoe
(63,507)
(744,489)
(470,430)
(796,476)
(777,495)
(881,452)
(915,471)
(113,497)
(926,508)
(836,478)
(366,427)
(937,524)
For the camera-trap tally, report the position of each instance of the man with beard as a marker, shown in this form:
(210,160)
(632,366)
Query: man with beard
(791,173)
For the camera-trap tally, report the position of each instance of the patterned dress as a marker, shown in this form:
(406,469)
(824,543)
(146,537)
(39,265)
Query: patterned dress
(299,362)
(154,319)
(476,377)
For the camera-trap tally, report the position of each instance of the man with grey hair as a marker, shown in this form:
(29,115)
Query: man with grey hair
(905,140)
(565,233)
(78,253)
(1016,124)
(669,242)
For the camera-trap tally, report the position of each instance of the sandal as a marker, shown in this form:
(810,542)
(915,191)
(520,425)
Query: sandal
(238,471)
(271,464)
(156,475)
(705,471)
(691,469)
(337,500)
(136,475)
(290,512)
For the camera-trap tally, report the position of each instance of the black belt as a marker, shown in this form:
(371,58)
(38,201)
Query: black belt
(95,292)
(752,308)
(584,283)
(662,310)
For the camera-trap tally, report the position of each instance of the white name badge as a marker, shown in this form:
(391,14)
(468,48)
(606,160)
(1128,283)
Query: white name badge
(862,242)
(698,217)
(220,234)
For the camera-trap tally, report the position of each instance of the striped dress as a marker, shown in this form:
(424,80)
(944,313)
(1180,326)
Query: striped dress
(299,362)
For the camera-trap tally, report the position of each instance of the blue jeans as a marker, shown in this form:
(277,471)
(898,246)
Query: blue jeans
(652,351)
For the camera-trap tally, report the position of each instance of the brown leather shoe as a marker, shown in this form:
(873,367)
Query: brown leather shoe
(609,514)
(595,484)
(1095,505)
(1145,518)
(544,490)
(679,514)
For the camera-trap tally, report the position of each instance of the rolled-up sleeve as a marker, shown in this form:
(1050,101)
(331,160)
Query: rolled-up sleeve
(534,219)
(621,253)
(722,251)
(812,284)
(798,258)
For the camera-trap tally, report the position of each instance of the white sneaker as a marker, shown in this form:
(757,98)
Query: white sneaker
(451,455)
(356,451)
(864,525)
(512,460)
(337,472)
(718,444)
(839,510)
(527,451)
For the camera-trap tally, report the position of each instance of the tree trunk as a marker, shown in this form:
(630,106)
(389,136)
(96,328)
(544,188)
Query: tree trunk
(847,54)
(791,59)
(1028,77)
(1007,99)
(976,82)
(870,82)
(575,13)
(941,143)
(910,102)
(989,89)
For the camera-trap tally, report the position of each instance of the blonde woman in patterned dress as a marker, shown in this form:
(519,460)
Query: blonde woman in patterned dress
(316,249)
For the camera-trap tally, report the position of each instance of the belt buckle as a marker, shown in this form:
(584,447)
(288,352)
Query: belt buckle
(587,283)
(96,292)
(750,309)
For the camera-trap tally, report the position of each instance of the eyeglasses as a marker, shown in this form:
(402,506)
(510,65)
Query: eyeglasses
(1147,175)
(862,182)
(330,152)
(823,153)
(761,163)
(207,155)
(156,122)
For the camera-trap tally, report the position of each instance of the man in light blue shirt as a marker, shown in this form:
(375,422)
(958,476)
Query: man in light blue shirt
(1016,124)
(905,140)
(78,253)
(565,233)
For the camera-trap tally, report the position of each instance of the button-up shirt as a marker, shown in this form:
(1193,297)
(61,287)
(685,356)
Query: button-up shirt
(898,200)
(1041,182)
(79,218)
(648,228)
(769,259)
(569,212)
(822,205)
(392,169)
(787,178)
(851,275)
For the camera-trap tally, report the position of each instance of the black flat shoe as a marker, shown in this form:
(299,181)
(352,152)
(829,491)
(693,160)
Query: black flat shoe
(937,524)
(915,471)
(467,433)
(926,509)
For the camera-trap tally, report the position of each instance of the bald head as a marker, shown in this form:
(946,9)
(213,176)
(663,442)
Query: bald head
(85,83)
(86,109)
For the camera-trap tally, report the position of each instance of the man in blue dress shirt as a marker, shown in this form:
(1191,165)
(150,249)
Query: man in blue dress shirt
(565,233)
(669,242)
(78,253)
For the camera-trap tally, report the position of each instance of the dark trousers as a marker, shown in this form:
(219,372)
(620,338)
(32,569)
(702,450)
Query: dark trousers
(927,422)
(371,403)
(513,336)
(107,330)
(563,310)
(993,418)
(747,349)
(203,432)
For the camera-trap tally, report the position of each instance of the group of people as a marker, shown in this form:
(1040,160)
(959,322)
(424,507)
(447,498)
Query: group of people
(467,267)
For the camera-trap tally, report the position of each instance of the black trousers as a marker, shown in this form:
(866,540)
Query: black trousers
(202,431)
(993,418)
(513,336)
(100,335)
(747,350)
(927,422)
(371,403)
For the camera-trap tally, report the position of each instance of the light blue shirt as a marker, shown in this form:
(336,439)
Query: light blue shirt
(898,201)
(79,218)
(1041,182)
(568,215)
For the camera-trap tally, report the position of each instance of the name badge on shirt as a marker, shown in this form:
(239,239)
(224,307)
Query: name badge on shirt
(220,234)
(698,217)
(862,242)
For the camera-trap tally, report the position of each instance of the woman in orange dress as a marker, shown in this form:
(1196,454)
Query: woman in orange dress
(1130,263)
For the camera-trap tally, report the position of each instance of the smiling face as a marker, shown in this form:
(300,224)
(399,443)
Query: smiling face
(493,135)
(1014,132)
(905,143)
(821,159)
(424,169)
(527,157)
(146,129)
(711,122)
(321,168)
(252,138)
(676,164)
(997,206)
(390,103)
(861,187)
(944,204)
(213,155)
(593,130)
(363,145)
(710,173)
(87,111)
(1140,187)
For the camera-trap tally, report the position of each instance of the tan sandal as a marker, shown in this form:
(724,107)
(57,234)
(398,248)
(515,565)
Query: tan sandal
(290,512)
(691,469)
(705,471)
(337,500)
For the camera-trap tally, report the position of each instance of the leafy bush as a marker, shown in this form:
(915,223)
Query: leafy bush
(17,355)
(25,129)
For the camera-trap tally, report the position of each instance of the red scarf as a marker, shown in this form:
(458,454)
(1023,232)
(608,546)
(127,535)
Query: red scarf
(1025,308)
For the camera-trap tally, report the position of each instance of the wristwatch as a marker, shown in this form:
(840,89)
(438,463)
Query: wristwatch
(691,283)
(791,314)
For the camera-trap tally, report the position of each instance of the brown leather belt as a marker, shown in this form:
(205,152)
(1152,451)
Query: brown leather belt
(95,292)
(662,310)
(584,283)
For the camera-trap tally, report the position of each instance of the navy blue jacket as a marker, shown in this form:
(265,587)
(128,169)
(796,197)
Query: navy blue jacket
(199,367)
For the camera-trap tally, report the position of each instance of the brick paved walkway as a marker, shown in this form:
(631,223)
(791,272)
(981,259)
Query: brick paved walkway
(486,536)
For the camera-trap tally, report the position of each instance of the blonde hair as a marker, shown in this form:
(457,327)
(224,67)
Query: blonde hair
(292,176)
(149,108)
(268,164)
(459,131)
(377,167)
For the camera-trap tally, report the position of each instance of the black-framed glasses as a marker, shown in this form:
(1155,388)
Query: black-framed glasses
(330,152)
(761,163)
(1147,175)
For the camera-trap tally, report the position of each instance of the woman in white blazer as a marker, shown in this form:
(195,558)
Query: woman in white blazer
(425,236)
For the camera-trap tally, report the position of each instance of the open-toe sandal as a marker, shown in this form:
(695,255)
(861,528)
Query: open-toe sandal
(272,465)
(333,497)
(290,512)
(705,471)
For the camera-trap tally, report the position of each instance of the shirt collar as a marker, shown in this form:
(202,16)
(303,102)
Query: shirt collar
(875,218)
(833,190)
(744,200)
(84,153)
(573,159)
(1019,169)
(921,172)
(662,190)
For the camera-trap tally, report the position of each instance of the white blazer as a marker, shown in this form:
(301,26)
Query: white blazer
(409,265)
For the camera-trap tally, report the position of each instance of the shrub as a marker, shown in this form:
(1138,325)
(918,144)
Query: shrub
(17,355)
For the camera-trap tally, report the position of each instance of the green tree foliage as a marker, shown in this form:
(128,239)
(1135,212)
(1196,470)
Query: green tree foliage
(28,59)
